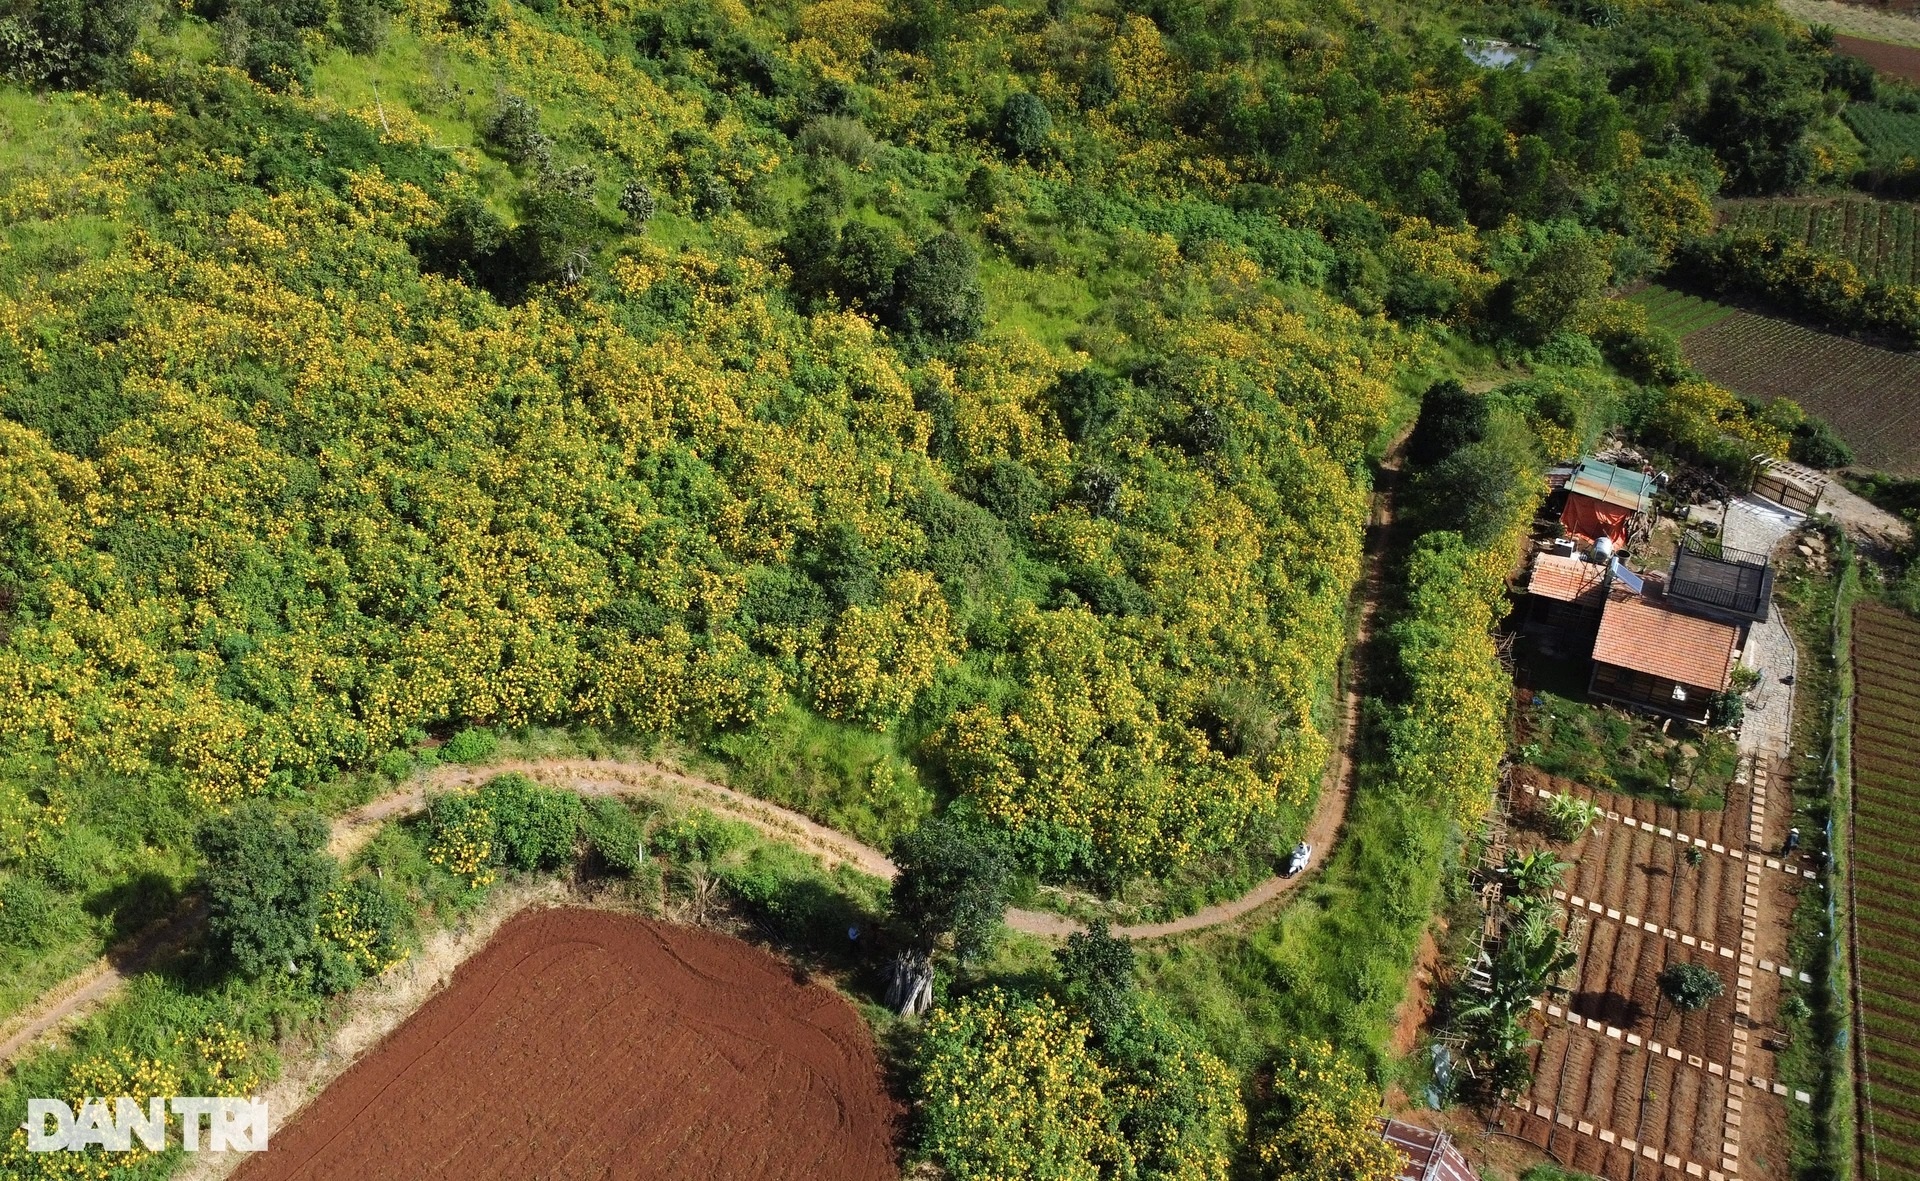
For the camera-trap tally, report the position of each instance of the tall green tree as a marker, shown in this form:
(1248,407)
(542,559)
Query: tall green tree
(266,876)
(955,879)
(937,292)
(1097,970)
(1561,284)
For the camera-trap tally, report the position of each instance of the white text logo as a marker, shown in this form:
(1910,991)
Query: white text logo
(232,1125)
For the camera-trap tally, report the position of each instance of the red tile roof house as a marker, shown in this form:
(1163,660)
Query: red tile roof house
(1652,657)
(1565,596)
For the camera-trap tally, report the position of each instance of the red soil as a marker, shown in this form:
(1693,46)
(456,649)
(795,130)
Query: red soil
(580,1043)
(1898,61)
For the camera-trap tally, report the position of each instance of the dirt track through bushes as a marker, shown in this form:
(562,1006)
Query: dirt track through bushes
(586,1044)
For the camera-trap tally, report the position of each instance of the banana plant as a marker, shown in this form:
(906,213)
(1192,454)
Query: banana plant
(1533,873)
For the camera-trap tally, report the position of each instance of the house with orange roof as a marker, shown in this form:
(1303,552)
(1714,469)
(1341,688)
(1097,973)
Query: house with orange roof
(1651,656)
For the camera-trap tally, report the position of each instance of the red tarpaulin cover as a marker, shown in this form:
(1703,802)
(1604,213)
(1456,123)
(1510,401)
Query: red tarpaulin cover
(1593,519)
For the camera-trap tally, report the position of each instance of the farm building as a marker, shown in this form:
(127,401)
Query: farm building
(1605,500)
(1652,657)
(1565,594)
(1429,1155)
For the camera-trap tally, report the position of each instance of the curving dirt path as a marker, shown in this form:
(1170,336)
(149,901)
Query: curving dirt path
(616,777)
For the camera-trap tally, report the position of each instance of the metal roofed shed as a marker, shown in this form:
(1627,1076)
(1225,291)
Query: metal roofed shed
(1661,660)
(1603,499)
(1430,1155)
(1733,585)
(1612,483)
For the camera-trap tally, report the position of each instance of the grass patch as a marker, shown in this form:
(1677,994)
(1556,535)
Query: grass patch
(1614,750)
(1678,312)
(1334,962)
(847,778)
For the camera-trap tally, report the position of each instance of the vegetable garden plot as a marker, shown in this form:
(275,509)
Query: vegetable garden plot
(1870,395)
(1886,892)
(1876,236)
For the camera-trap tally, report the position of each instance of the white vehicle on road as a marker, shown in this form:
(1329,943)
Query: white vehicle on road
(1297,860)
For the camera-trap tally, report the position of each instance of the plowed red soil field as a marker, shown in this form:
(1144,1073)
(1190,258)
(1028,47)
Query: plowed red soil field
(581,1044)
(1897,60)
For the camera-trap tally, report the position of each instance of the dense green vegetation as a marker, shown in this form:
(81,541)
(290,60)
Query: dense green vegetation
(925,411)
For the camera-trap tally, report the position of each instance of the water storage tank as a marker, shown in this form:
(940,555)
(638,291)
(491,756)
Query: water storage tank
(1603,550)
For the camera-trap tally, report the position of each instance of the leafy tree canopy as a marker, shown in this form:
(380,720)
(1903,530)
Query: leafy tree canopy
(266,877)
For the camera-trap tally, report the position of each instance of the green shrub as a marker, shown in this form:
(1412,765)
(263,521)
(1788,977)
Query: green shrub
(71,43)
(1567,816)
(470,746)
(700,836)
(1009,1088)
(28,913)
(360,934)
(839,137)
(614,834)
(534,827)
(1690,986)
(1025,124)
(1096,969)
(937,292)
(636,201)
(514,131)
(276,59)
(1319,1123)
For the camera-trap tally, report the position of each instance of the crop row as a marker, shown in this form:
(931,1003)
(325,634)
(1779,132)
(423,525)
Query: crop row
(1902,1056)
(1678,312)
(1888,830)
(1883,757)
(1894,707)
(1890,654)
(1886,858)
(1886,853)
(1887,836)
(1887,971)
(1870,395)
(1884,130)
(1896,1137)
(1876,236)
(1891,660)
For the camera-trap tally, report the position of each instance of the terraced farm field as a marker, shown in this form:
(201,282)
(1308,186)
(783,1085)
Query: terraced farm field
(1624,1085)
(1886,861)
(1876,236)
(1870,395)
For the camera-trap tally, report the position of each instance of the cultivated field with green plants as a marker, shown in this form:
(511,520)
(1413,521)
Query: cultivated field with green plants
(1878,237)
(1870,395)
(1886,862)
(1677,311)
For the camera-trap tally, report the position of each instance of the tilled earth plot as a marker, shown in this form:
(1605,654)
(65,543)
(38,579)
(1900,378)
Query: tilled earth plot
(583,1044)
(1625,1085)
